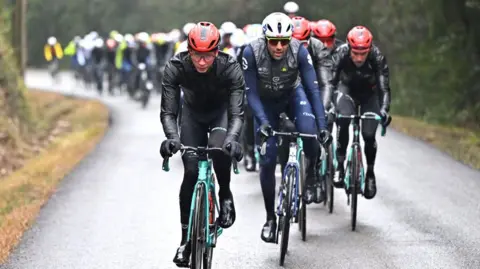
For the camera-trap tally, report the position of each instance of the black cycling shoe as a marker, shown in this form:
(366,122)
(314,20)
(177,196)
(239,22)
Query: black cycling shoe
(227,211)
(309,195)
(269,231)
(250,164)
(370,184)
(320,194)
(182,257)
(340,177)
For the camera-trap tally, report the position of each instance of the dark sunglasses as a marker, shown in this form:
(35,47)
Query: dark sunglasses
(274,41)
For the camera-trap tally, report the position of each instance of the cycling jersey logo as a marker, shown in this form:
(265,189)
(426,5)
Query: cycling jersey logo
(308,114)
(276,79)
(284,69)
(244,63)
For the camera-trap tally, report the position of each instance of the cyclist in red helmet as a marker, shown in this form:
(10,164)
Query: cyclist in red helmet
(361,77)
(325,31)
(214,89)
(322,64)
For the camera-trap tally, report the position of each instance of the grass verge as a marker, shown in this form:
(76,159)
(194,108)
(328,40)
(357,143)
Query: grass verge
(463,144)
(67,130)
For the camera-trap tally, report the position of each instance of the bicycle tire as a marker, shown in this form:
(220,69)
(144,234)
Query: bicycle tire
(330,190)
(208,255)
(285,224)
(198,229)
(354,185)
(302,223)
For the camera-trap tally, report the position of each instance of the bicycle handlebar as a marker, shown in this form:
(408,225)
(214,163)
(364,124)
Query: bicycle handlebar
(366,116)
(263,148)
(166,167)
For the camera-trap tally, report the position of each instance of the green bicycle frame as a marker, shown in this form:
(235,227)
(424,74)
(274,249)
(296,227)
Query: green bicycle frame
(356,133)
(300,148)
(334,159)
(356,146)
(205,177)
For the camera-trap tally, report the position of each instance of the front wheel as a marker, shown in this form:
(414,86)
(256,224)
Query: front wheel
(330,189)
(208,255)
(285,219)
(302,223)
(354,185)
(198,237)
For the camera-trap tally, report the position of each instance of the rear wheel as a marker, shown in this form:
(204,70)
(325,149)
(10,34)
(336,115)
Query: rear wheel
(285,219)
(198,229)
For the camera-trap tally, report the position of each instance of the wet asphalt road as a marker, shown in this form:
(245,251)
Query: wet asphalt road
(118,209)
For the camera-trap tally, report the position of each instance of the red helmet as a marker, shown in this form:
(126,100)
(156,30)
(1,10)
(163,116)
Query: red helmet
(301,28)
(324,29)
(359,39)
(204,37)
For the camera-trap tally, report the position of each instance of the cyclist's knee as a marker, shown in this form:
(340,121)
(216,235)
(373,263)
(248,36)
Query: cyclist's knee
(368,136)
(190,165)
(343,124)
(270,156)
(217,137)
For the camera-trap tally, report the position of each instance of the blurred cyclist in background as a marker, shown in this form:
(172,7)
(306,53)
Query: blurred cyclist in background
(291,9)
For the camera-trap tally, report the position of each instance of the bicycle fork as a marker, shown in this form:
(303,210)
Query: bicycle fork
(210,204)
(295,195)
(354,149)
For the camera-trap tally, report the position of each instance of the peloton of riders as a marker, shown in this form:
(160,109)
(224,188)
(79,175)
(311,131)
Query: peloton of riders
(287,66)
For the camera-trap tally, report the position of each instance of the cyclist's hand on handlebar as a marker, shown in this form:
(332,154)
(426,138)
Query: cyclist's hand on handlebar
(386,118)
(170,147)
(265,131)
(324,137)
(234,149)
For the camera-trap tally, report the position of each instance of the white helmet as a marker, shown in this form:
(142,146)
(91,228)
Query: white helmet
(228,27)
(238,38)
(278,25)
(52,41)
(290,7)
(175,35)
(187,27)
(118,38)
(254,31)
(98,43)
(129,38)
(93,34)
(143,37)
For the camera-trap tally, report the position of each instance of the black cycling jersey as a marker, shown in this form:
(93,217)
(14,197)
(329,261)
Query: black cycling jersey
(207,94)
(363,80)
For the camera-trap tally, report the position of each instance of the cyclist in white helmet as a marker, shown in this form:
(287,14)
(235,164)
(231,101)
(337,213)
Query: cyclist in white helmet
(273,67)
(254,31)
(184,44)
(291,8)
(227,29)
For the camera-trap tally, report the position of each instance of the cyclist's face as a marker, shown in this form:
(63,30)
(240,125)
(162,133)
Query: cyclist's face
(328,41)
(358,58)
(277,47)
(203,60)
